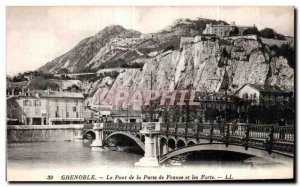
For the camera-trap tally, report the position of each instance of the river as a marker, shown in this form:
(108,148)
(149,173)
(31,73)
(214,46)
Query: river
(41,157)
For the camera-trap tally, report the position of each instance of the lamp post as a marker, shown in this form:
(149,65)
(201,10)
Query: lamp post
(151,87)
(226,100)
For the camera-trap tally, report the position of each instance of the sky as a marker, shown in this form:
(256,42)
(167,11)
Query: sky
(37,35)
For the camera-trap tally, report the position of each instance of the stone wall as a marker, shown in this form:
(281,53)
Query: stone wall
(38,133)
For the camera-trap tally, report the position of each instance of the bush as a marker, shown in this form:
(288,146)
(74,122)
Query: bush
(270,33)
(250,31)
(171,47)
(234,32)
(42,84)
(63,71)
(286,51)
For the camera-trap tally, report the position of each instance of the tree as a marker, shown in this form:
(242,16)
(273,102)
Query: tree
(270,33)
(63,71)
(234,32)
(286,51)
(250,31)
(42,84)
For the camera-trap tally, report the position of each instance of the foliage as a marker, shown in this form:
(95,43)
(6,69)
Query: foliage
(270,33)
(42,84)
(171,47)
(63,71)
(250,31)
(234,32)
(21,76)
(286,51)
(270,114)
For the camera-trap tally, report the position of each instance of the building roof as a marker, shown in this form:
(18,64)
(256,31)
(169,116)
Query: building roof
(16,84)
(265,88)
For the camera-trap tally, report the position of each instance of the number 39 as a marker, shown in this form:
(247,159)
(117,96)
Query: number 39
(50,177)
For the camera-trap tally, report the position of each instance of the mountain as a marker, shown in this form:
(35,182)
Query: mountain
(198,65)
(114,46)
(77,59)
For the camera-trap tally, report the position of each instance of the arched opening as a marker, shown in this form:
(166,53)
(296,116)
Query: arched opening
(89,135)
(143,138)
(163,146)
(138,136)
(191,143)
(222,158)
(171,144)
(220,154)
(180,143)
(124,142)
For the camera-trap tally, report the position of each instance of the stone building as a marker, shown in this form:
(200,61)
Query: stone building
(267,94)
(221,30)
(46,107)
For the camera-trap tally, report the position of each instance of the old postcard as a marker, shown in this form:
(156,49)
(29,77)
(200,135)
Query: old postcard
(143,93)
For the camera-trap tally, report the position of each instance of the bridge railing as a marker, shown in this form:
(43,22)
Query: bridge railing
(218,132)
(259,131)
(123,126)
(284,134)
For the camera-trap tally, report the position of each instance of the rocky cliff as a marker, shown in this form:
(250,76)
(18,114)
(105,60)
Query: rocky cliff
(201,66)
(198,65)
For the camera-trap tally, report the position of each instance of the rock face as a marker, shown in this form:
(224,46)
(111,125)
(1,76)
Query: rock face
(198,65)
(201,66)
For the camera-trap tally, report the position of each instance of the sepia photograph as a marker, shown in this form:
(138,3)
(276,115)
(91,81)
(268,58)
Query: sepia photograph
(150,93)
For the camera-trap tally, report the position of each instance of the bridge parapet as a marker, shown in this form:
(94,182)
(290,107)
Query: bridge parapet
(152,131)
(98,142)
(132,127)
(271,138)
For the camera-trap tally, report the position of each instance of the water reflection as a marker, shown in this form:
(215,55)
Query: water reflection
(78,154)
(64,154)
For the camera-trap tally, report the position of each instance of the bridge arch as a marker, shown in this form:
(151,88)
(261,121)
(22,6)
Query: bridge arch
(131,136)
(172,143)
(89,133)
(181,143)
(191,142)
(163,143)
(138,135)
(276,156)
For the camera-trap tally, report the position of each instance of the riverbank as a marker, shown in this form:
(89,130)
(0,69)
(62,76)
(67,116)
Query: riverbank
(43,133)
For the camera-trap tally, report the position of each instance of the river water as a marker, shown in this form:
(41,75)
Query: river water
(39,157)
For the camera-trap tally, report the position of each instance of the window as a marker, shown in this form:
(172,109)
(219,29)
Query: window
(37,103)
(254,95)
(77,115)
(57,108)
(27,103)
(67,114)
(76,102)
(74,109)
(246,95)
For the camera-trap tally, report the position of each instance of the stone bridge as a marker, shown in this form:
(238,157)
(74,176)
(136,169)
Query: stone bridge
(161,142)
